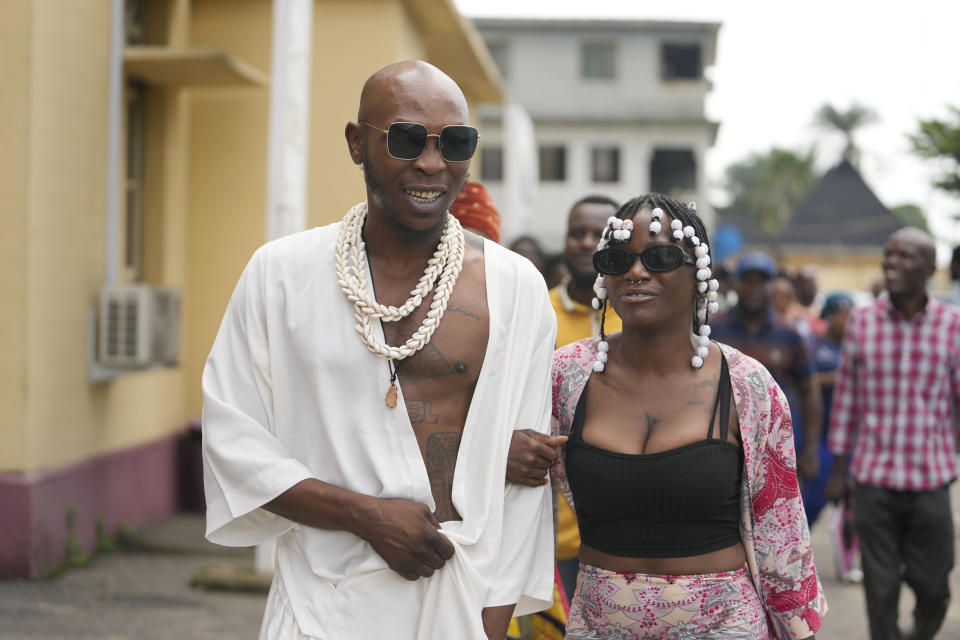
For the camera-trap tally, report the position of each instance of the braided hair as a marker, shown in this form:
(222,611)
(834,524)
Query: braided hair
(687,227)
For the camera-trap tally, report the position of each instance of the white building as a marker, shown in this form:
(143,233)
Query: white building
(617,109)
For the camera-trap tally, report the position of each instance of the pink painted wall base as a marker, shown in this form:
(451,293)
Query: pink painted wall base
(136,486)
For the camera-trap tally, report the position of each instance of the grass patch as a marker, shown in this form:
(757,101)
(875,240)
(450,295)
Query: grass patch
(74,554)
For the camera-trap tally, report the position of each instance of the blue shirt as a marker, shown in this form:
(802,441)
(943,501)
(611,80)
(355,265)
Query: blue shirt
(826,358)
(778,347)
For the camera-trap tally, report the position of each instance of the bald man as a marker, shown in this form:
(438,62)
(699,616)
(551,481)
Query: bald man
(895,399)
(362,391)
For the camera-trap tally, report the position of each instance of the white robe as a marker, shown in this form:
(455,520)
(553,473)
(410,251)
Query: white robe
(290,392)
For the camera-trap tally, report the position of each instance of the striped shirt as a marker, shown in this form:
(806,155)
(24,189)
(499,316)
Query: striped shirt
(898,386)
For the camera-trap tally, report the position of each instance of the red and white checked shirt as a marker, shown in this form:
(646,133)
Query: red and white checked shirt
(898,385)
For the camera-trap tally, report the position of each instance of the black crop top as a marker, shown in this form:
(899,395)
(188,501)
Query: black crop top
(670,504)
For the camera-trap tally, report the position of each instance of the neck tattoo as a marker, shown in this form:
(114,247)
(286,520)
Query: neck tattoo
(441,274)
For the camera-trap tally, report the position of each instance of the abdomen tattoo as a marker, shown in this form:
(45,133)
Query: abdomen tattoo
(441,461)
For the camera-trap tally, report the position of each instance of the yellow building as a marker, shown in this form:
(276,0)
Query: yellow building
(188,209)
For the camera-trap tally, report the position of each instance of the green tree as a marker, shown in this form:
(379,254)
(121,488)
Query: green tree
(911,215)
(846,122)
(940,139)
(767,187)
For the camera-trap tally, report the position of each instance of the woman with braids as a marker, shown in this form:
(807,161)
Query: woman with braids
(680,461)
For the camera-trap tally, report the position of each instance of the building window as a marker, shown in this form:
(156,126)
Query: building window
(553,163)
(500,52)
(680,62)
(135,28)
(673,172)
(598,60)
(606,164)
(491,164)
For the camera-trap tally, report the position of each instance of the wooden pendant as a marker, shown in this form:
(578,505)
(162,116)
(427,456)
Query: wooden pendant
(391,399)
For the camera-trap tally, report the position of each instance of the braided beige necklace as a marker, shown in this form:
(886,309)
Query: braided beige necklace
(441,273)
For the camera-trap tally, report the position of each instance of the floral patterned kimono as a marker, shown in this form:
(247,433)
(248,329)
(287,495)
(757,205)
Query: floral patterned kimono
(773,527)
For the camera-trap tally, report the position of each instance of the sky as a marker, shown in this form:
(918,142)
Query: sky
(777,63)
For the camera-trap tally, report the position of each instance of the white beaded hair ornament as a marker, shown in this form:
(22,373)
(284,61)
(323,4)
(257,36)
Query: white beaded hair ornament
(619,230)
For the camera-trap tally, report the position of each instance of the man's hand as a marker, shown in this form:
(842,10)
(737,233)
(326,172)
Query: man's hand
(407,536)
(808,463)
(530,457)
(836,489)
(402,532)
(496,621)
(838,486)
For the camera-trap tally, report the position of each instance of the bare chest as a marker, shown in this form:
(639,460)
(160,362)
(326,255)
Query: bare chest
(439,380)
(649,422)
(451,361)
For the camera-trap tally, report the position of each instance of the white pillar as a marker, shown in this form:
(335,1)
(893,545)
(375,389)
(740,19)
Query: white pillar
(520,172)
(288,144)
(114,124)
(289,117)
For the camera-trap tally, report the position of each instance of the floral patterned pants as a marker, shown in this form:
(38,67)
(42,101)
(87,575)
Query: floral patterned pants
(636,606)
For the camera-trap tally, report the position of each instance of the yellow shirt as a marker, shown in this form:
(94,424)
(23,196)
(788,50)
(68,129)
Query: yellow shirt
(575,322)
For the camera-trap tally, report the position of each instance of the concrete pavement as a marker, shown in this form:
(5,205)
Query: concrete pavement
(143,594)
(146,594)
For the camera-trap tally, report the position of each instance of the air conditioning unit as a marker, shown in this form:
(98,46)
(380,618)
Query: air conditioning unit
(139,326)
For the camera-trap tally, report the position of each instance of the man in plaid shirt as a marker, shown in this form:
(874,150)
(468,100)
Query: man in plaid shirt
(897,392)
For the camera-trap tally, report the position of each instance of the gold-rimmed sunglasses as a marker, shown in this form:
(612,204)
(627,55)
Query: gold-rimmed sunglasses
(407,140)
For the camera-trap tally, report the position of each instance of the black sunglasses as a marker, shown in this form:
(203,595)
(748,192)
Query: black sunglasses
(614,261)
(407,140)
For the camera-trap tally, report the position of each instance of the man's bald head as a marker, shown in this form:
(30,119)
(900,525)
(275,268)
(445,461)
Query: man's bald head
(909,259)
(411,194)
(920,239)
(402,83)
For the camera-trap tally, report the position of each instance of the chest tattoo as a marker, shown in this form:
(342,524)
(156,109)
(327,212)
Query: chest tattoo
(651,423)
(701,389)
(607,383)
(421,412)
(428,363)
(455,308)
